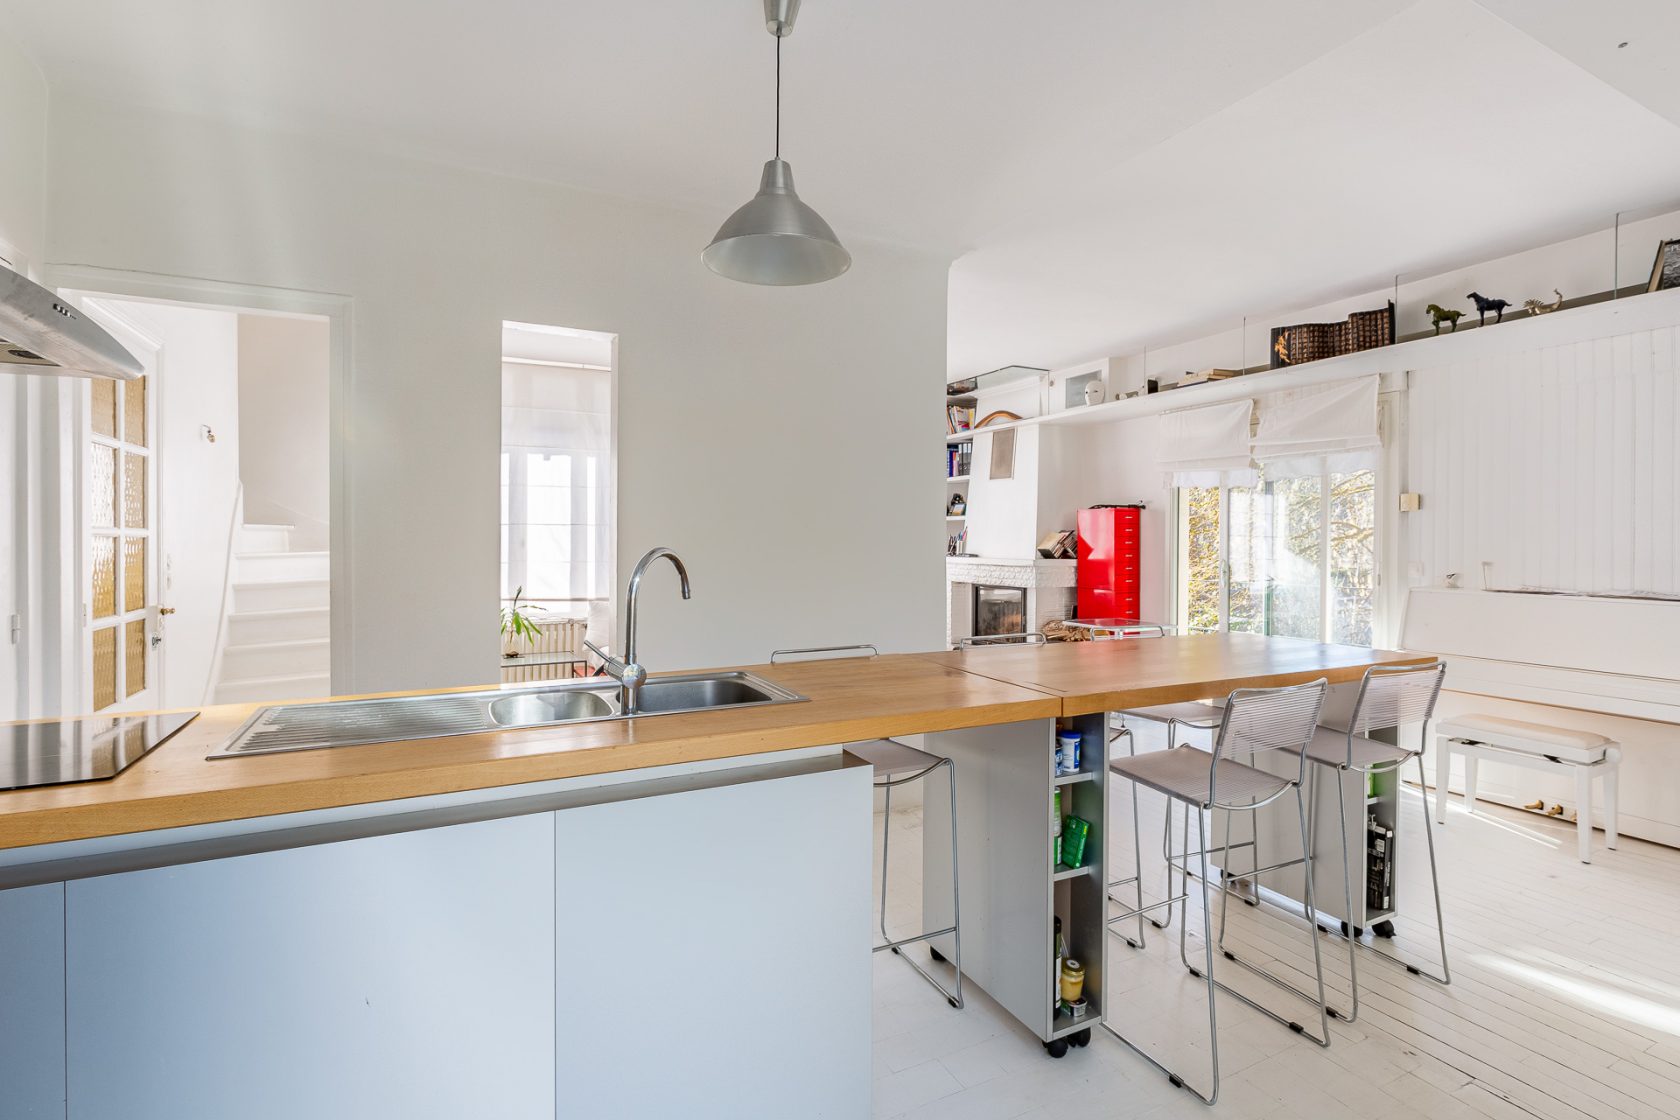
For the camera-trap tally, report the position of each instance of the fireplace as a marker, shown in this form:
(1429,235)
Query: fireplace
(999,610)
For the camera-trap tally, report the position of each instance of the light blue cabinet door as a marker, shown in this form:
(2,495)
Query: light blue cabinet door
(713,952)
(32,1003)
(402,976)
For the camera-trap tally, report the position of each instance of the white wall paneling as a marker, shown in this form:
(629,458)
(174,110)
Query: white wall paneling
(1555,464)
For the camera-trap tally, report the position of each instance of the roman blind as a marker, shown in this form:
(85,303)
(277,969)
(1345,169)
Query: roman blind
(1207,446)
(1319,427)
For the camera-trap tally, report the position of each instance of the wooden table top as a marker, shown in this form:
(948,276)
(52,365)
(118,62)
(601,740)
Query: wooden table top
(852,699)
(1138,672)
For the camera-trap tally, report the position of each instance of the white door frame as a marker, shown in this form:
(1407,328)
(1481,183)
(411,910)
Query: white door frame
(218,295)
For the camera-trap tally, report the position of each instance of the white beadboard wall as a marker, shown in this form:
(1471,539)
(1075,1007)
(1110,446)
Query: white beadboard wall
(1555,463)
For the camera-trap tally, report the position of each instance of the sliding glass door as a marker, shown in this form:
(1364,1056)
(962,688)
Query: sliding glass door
(1293,556)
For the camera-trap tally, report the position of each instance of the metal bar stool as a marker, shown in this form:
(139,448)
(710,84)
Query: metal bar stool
(1194,714)
(1389,695)
(1254,721)
(897,764)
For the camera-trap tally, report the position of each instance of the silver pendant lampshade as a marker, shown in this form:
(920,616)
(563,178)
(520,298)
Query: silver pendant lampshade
(775,238)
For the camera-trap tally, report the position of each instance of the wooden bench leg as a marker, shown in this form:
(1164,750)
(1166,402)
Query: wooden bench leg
(1583,811)
(1443,771)
(1611,831)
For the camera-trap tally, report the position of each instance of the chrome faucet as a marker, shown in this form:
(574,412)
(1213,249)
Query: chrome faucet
(628,672)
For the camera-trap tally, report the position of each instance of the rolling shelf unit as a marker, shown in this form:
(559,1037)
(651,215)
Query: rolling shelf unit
(1279,840)
(1011,889)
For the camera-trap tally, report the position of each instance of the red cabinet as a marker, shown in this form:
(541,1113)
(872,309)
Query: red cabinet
(1109,570)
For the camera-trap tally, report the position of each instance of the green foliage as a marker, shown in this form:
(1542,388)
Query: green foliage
(1276,557)
(517,625)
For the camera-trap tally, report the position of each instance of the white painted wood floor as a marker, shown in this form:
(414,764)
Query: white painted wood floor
(1565,1001)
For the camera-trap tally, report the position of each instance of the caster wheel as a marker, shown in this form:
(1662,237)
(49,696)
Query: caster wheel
(1056,1048)
(1080,1038)
(1384,928)
(936,954)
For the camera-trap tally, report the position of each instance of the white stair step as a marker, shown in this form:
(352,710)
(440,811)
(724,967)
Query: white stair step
(276,659)
(311,687)
(251,567)
(296,624)
(265,538)
(280,595)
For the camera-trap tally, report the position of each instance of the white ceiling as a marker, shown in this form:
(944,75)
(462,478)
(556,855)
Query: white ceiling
(1106,172)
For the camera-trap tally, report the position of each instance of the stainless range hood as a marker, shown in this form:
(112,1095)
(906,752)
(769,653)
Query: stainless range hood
(44,334)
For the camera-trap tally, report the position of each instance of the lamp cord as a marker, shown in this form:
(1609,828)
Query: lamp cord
(778,97)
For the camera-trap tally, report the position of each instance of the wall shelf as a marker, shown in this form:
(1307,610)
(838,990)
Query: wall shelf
(956,478)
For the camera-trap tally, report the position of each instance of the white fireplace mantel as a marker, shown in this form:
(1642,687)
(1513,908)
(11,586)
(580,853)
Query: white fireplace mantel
(1049,585)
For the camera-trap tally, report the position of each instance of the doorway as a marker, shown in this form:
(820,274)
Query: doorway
(192,506)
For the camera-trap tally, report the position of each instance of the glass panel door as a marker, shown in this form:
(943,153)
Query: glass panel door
(121,545)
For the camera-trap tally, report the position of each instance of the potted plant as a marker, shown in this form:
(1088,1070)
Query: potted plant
(517,625)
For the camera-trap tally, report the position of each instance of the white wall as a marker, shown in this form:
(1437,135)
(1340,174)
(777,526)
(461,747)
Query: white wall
(23,139)
(283,425)
(776,438)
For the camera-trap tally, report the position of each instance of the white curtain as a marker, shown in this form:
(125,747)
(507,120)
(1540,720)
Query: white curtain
(1208,446)
(557,462)
(1306,431)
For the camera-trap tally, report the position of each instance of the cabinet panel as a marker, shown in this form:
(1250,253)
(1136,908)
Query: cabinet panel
(408,975)
(714,952)
(32,1003)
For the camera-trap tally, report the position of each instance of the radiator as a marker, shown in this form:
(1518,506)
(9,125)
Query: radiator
(545,658)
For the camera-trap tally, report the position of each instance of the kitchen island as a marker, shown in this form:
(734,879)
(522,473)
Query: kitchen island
(627,916)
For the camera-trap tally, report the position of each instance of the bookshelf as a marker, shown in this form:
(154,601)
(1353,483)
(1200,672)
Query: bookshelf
(959,454)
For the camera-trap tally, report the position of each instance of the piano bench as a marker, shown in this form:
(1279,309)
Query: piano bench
(1537,746)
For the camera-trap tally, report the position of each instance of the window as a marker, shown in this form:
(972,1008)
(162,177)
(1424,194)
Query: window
(1290,556)
(557,469)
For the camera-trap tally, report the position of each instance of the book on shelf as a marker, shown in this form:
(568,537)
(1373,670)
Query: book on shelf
(958,418)
(958,458)
(1201,376)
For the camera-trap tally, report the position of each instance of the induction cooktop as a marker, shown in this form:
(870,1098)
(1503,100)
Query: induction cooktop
(80,750)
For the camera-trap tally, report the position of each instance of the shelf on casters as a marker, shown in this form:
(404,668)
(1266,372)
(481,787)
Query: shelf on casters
(956,478)
(1076,776)
(1064,1023)
(1063,871)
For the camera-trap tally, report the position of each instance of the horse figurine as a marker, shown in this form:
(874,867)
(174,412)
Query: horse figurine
(1439,315)
(1484,305)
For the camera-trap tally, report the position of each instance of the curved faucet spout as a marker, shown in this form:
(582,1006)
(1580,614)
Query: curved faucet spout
(630,673)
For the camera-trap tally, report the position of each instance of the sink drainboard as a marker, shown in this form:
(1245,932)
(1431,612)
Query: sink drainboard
(291,727)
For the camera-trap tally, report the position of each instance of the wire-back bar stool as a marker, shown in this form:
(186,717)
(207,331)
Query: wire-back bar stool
(1253,722)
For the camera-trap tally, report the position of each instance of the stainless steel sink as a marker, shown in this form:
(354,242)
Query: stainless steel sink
(697,693)
(528,709)
(345,723)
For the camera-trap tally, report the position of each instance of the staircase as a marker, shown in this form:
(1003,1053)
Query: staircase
(277,644)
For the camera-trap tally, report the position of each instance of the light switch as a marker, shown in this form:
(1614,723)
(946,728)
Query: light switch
(1411,502)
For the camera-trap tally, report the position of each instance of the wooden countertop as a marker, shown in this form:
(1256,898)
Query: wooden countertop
(176,785)
(853,699)
(1136,673)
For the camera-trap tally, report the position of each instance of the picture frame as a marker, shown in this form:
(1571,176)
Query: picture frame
(1665,269)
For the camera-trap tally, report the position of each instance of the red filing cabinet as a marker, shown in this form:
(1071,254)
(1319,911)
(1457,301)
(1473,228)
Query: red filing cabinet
(1109,571)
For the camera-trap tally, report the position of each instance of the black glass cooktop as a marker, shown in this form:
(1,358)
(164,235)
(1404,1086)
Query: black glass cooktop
(80,750)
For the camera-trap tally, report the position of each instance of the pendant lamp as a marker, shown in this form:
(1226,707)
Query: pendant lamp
(775,238)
